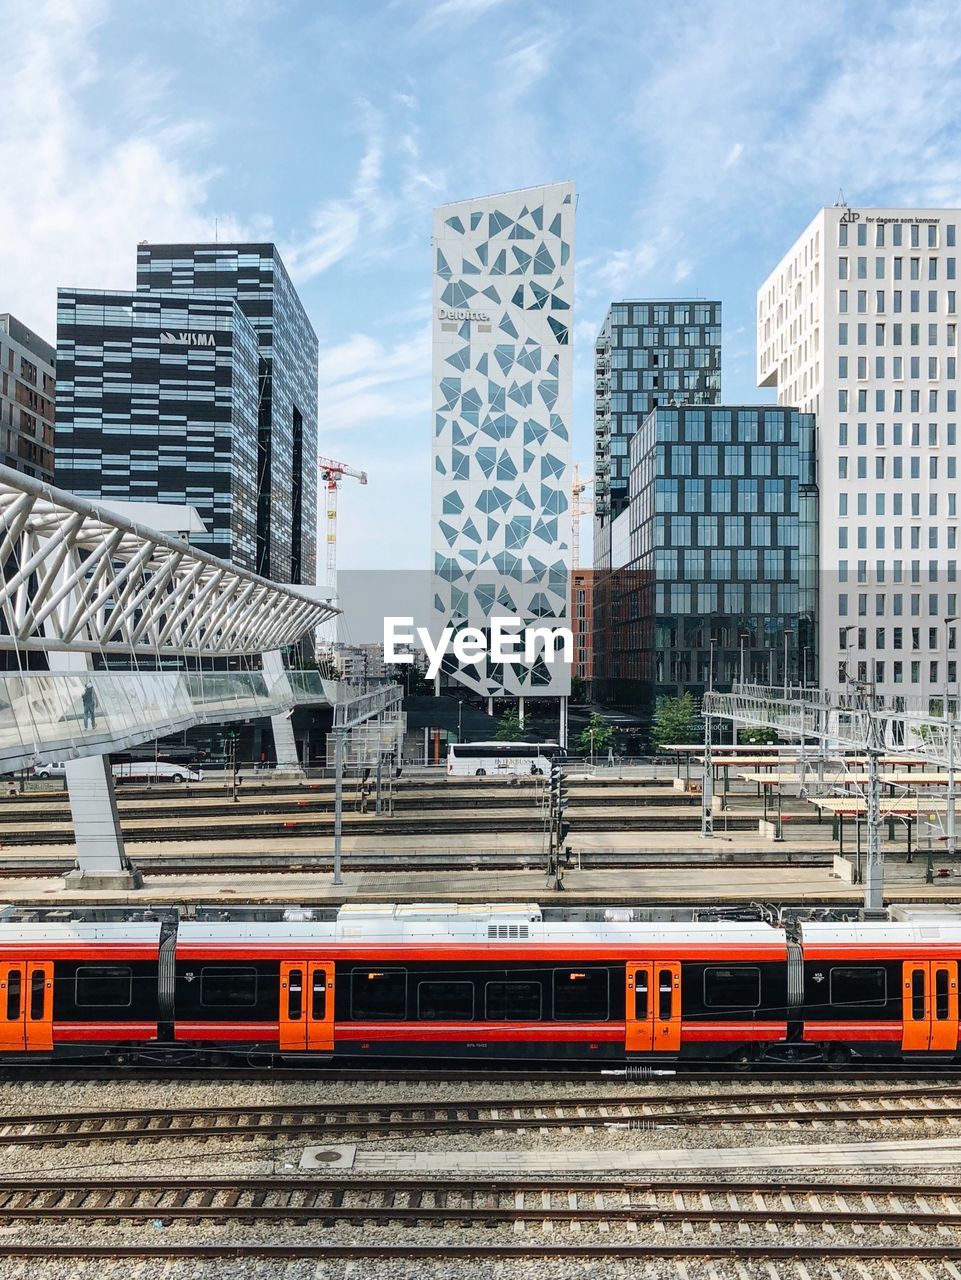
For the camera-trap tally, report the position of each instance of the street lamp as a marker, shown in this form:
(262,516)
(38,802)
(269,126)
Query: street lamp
(804,666)
(949,818)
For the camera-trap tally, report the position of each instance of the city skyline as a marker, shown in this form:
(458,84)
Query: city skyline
(700,199)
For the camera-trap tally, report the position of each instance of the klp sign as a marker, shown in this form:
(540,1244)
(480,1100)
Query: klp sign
(471,645)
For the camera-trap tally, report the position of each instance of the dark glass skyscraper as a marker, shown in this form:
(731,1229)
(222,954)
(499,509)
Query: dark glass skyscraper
(721,553)
(157,402)
(256,277)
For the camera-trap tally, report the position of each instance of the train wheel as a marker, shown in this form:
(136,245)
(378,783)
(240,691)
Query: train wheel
(480,773)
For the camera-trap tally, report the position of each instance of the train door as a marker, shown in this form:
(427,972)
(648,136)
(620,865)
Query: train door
(639,1010)
(26,1006)
(653,1007)
(929,1006)
(307,1005)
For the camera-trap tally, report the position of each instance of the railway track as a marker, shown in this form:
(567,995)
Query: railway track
(18,865)
(906,1104)
(637,1204)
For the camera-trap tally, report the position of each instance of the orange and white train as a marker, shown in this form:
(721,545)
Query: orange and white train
(473,984)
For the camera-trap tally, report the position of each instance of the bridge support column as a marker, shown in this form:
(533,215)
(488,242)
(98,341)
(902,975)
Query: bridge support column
(285,746)
(102,862)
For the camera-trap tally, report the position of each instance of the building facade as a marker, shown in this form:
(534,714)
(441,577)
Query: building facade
(582,615)
(716,574)
(503,292)
(858,324)
(649,352)
(157,402)
(255,275)
(27,399)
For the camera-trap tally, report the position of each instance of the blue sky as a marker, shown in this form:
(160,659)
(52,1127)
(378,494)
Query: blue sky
(702,138)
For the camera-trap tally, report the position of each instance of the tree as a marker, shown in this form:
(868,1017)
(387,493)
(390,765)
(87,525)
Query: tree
(756,737)
(597,738)
(578,690)
(675,720)
(509,728)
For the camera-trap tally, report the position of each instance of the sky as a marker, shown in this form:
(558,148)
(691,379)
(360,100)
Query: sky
(702,138)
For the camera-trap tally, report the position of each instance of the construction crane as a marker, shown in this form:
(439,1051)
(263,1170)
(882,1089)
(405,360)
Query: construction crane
(331,474)
(579,507)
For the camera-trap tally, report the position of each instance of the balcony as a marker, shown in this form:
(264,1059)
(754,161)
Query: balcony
(602,386)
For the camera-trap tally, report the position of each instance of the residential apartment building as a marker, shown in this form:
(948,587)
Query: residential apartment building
(858,324)
(27,399)
(503,288)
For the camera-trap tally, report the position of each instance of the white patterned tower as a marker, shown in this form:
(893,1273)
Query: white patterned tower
(502,392)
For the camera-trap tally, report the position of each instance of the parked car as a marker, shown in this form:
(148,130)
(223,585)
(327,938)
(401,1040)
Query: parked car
(155,771)
(50,769)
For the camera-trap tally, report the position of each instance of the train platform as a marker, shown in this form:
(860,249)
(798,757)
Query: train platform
(713,884)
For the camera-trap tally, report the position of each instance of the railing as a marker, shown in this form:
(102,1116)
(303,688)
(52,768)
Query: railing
(56,715)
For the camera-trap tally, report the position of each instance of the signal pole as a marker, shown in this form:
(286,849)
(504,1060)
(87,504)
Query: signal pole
(558,829)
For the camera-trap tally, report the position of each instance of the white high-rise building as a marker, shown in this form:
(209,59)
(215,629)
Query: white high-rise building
(503,298)
(858,323)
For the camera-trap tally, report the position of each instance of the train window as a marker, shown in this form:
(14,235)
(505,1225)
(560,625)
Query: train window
(665,988)
(641,995)
(37,981)
(917,995)
(378,993)
(103,984)
(940,994)
(14,990)
(858,986)
(445,1001)
(318,994)
(513,1001)
(738,988)
(581,995)
(295,994)
(227,987)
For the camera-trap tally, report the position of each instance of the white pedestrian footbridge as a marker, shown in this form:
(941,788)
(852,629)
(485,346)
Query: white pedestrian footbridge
(86,590)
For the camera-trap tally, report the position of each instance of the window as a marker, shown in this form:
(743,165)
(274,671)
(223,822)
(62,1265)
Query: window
(14,994)
(581,995)
(858,986)
(512,1001)
(378,993)
(738,988)
(103,985)
(222,987)
(445,1001)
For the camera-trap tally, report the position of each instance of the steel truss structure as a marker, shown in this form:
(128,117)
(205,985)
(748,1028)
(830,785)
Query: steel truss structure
(79,578)
(837,720)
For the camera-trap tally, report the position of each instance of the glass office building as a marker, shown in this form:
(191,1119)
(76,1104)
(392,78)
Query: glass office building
(647,354)
(157,402)
(719,573)
(256,277)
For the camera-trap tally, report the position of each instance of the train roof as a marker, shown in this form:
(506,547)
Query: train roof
(500,922)
(861,933)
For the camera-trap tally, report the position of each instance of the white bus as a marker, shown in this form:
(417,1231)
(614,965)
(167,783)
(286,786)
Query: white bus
(500,758)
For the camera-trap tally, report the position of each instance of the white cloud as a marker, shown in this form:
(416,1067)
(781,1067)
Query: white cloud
(363,382)
(457,11)
(682,269)
(734,155)
(84,184)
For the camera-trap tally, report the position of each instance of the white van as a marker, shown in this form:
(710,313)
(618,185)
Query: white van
(155,771)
